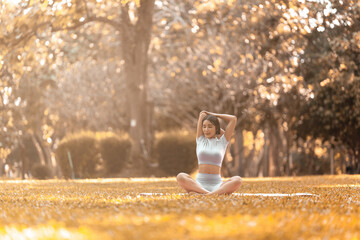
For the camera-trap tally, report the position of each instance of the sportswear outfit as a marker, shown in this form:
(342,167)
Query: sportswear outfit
(210,151)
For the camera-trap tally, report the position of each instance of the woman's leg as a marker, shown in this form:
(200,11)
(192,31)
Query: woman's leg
(189,184)
(229,186)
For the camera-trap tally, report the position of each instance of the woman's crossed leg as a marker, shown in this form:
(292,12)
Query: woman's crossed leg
(190,185)
(229,186)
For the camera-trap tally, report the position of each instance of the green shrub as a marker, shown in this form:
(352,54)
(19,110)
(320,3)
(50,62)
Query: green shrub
(84,153)
(115,151)
(40,171)
(305,164)
(176,152)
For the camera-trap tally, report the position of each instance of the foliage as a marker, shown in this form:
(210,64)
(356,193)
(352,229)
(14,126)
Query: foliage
(331,70)
(286,65)
(64,52)
(41,172)
(176,152)
(336,108)
(305,164)
(113,209)
(115,151)
(28,149)
(233,58)
(82,150)
(92,152)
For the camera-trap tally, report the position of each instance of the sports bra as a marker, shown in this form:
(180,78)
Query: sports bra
(211,150)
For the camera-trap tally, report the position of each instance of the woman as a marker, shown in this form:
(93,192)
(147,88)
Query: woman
(211,143)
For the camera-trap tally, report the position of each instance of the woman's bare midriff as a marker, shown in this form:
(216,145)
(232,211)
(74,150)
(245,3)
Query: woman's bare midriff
(210,169)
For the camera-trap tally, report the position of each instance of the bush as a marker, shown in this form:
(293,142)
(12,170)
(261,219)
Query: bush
(302,162)
(41,172)
(84,153)
(115,151)
(176,152)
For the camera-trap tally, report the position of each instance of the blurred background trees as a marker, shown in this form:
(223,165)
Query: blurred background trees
(289,70)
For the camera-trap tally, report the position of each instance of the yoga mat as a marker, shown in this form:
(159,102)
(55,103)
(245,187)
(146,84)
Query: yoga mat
(275,194)
(244,194)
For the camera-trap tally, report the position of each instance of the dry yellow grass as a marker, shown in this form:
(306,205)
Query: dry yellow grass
(112,209)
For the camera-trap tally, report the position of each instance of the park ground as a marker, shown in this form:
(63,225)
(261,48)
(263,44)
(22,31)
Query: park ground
(114,209)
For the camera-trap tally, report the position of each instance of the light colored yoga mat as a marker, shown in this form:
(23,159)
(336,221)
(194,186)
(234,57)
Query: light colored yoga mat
(275,194)
(245,194)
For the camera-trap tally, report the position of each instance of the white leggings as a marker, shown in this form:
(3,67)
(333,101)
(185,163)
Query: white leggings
(210,182)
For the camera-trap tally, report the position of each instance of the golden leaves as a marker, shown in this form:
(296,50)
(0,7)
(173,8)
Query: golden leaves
(216,50)
(356,37)
(113,208)
(343,67)
(216,65)
(325,82)
(207,6)
(44,5)
(4,152)
(137,2)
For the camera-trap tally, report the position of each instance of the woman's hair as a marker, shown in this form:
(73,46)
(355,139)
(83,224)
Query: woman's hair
(214,120)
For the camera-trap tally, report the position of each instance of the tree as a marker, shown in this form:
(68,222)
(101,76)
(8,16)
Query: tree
(133,19)
(229,57)
(331,70)
(135,44)
(273,64)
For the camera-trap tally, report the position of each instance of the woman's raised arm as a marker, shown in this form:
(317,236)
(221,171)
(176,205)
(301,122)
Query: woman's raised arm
(199,130)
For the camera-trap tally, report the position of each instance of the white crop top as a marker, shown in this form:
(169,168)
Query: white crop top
(211,151)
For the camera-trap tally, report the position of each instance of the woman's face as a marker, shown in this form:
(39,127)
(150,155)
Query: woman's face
(209,129)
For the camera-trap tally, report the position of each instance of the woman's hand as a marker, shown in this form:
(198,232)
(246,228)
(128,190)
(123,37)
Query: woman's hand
(204,113)
(215,114)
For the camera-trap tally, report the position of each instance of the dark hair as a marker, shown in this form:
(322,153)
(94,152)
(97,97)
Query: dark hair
(214,120)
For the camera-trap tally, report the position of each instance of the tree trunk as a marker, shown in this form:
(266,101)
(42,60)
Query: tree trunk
(288,165)
(311,156)
(342,160)
(263,166)
(24,159)
(135,39)
(278,148)
(252,161)
(266,153)
(43,151)
(331,153)
(239,157)
(271,160)
(38,149)
(357,161)
(226,169)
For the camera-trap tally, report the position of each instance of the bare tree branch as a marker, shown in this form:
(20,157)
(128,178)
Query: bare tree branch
(115,24)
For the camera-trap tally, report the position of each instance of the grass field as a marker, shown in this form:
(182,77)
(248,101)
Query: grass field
(112,209)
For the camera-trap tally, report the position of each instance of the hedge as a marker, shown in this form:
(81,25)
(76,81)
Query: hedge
(82,149)
(115,151)
(176,152)
(91,151)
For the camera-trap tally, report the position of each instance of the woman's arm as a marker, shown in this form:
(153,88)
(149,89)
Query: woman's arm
(230,119)
(199,130)
(222,131)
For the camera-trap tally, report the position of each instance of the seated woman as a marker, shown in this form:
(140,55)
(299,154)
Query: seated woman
(211,143)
